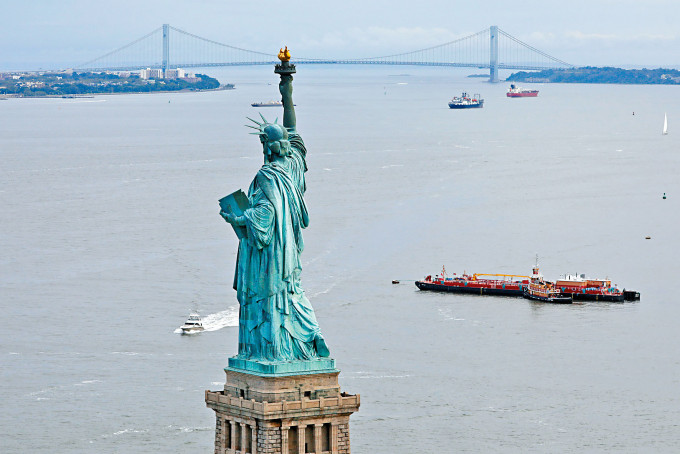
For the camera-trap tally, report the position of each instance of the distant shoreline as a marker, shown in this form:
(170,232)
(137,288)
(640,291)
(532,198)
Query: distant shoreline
(74,84)
(597,75)
(104,93)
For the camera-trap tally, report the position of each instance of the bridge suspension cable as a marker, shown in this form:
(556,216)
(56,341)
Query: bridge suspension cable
(193,50)
(106,60)
(467,49)
(169,46)
(515,64)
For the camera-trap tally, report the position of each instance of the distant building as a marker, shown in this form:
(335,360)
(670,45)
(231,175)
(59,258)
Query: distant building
(149,73)
(175,74)
(120,73)
(157,73)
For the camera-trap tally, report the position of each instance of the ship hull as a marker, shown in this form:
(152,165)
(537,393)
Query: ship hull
(508,290)
(548,299)
(631,295)
(595,296)
(465,106)
(528,94)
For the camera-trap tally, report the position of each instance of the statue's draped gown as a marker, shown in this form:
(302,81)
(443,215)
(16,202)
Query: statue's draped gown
(276,322)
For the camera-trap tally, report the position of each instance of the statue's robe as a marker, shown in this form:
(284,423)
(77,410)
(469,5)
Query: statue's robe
(276,320)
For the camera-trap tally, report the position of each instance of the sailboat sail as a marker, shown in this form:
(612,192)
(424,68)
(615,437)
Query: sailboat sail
(665,124)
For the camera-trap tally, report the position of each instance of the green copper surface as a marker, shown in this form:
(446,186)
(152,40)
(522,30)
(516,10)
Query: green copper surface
(281,368)
(278,331)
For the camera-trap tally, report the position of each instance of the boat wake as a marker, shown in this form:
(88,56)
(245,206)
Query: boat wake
(375,376)
(219,320)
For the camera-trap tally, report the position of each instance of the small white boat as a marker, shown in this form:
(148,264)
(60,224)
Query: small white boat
(194,324)
(665,124)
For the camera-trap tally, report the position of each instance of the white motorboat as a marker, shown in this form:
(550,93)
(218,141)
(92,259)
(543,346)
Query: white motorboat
(194,324)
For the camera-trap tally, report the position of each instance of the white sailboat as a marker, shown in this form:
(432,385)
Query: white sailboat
(665,124)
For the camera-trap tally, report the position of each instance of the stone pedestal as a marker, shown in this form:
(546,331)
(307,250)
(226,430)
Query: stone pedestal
(282,414)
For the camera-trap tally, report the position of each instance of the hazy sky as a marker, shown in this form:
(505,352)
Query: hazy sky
(63,33)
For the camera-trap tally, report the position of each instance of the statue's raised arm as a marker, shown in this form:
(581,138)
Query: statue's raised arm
(286,89)
(286,71)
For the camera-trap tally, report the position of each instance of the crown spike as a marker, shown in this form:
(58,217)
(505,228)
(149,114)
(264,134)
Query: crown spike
(256,122)
(251,126)
(263,119)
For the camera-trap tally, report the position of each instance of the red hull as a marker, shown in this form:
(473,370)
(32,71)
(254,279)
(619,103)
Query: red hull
(528,94)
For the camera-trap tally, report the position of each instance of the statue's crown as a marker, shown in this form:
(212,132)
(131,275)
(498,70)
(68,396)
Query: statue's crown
(273,136)
(270,132)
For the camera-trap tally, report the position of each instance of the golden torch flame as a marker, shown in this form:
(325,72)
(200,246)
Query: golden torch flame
(284,54)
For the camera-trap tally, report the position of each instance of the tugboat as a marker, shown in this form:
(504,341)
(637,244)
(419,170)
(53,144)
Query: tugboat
(194,324)
(500,284)
(517,92)
(465,102)
(545,291)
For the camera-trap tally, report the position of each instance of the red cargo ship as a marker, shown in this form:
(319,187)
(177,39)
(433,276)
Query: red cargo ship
(499,284)
(564,290)
(517,92)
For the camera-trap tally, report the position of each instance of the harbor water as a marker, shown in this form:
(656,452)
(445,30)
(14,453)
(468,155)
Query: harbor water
(110,236)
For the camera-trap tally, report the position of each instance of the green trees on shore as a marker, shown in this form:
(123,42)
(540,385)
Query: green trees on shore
(605,75)
(63,84)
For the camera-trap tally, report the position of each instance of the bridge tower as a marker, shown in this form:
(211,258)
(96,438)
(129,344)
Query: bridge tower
(493,59)
(166,47)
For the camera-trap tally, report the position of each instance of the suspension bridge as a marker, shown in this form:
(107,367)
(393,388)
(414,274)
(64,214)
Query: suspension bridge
(169,47)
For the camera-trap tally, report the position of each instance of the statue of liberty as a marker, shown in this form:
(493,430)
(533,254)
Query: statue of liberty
(276,320)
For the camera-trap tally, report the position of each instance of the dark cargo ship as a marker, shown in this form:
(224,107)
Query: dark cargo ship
(500,284)
(466,102)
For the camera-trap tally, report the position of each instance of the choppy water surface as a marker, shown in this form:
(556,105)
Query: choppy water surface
(110,236)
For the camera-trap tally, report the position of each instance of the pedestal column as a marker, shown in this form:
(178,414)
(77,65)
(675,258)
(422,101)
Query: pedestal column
(317,438)
(253,439)
(284,439)
(232,428)
(302,436)
(334,438)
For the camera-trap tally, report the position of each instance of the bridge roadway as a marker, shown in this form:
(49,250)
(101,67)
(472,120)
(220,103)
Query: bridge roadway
(328,62)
